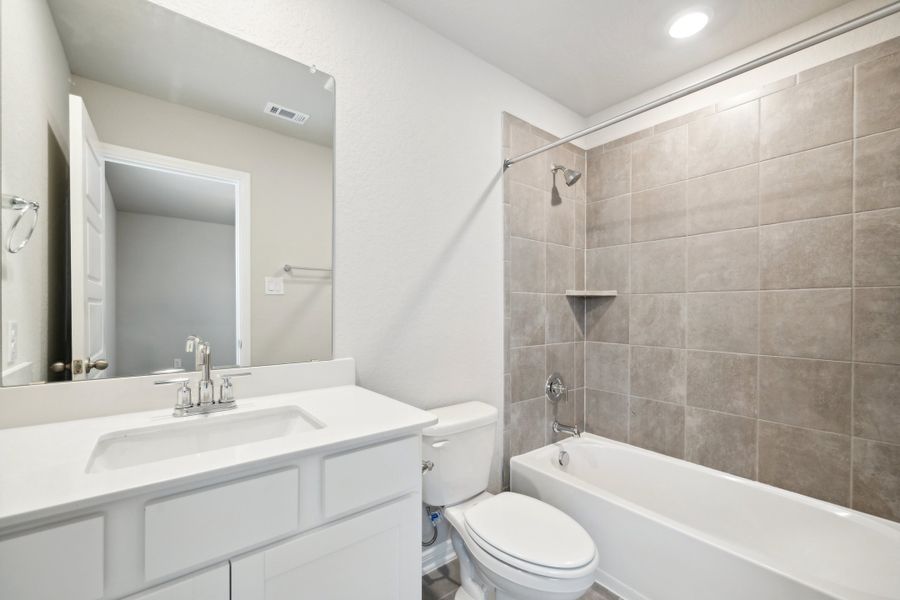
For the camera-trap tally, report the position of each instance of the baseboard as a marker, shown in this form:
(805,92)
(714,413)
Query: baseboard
(434,557)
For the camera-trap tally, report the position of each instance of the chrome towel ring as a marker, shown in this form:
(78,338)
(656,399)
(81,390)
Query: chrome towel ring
(23,207)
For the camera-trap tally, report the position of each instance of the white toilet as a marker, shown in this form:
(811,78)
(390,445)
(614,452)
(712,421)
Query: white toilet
(510,546)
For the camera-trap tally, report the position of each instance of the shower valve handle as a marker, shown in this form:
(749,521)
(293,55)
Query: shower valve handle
(555,388)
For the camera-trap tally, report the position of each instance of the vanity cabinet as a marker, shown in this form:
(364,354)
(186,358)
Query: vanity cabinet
(366,556)
(341,523)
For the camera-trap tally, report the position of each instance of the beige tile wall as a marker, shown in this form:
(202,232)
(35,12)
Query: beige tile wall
(544,232)
(755,246)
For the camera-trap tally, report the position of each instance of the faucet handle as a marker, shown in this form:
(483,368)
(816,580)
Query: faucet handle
(555,389)
(183,395)
(226,389)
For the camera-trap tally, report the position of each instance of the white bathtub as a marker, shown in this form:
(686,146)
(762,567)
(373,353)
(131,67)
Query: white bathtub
(667,529)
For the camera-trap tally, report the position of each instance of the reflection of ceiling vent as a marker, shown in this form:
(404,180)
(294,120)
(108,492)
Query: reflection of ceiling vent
(294,116)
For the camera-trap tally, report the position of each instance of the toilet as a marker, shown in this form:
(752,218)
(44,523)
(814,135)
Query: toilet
(509,546)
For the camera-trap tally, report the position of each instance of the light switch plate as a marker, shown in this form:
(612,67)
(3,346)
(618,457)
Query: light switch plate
(274,286)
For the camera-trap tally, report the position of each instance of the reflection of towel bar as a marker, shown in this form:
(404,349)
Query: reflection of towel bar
(22,206)
(289,268)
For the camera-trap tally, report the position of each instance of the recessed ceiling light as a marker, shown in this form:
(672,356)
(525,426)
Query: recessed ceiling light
(688,24)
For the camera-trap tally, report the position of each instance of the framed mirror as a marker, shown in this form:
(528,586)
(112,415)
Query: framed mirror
(161,179)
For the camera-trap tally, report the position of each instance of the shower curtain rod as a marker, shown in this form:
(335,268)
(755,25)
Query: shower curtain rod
(850,25)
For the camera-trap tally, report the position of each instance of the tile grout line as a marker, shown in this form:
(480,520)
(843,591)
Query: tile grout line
(628,406)
(759,290)
(745,417)
(854,125)
(684,310)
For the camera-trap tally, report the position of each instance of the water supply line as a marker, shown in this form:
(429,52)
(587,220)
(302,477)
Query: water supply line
(433,518)
(434,513)
(871,17)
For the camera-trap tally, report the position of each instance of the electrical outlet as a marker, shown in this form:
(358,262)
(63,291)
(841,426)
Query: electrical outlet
(12,338)
(177,363)
(274,286)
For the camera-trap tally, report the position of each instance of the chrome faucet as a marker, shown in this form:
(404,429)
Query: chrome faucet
(202,362)
(206,401)
(555,390)
(566,429)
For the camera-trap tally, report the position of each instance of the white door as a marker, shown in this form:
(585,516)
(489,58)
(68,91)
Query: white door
(87,224)
(375,556)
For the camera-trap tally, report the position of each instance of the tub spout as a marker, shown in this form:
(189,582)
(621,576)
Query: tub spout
(566,429)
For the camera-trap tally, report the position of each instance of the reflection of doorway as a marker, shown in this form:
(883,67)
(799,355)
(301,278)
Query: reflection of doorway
(59,334)
(182,260)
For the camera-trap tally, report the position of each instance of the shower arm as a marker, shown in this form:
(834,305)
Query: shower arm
(803,44)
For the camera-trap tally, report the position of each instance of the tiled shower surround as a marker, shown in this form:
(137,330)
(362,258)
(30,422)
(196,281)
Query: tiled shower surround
(755,246)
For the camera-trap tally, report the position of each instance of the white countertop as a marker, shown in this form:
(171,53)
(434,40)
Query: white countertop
(43,468)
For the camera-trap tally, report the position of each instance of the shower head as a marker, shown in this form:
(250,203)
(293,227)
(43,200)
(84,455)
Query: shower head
(570,175)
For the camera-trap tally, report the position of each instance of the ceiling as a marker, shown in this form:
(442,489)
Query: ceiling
(166,194)
(591,54)
(142,47)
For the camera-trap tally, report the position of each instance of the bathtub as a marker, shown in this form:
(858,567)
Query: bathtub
(667,529)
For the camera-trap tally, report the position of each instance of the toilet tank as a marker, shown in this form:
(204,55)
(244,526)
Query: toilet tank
(461,446)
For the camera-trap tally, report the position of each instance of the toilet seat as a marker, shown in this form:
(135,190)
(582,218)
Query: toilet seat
(530,535)
(528,567)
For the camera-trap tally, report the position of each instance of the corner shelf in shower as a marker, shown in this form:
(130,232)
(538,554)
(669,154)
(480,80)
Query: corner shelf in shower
(592,293)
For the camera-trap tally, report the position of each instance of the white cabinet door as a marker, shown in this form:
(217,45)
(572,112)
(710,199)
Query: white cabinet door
(63,561)
(374,555)
(208,585)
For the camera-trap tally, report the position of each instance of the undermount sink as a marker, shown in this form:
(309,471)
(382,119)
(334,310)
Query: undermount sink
(130,447)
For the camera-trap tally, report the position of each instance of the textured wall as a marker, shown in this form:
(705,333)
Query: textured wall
(756,247)
(35,124)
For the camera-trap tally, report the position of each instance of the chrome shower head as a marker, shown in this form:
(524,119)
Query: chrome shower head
(570,175)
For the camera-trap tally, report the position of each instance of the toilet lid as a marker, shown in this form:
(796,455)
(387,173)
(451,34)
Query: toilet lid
(531,531)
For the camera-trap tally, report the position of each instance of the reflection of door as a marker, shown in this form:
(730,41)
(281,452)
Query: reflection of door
(239,194)
(87,187)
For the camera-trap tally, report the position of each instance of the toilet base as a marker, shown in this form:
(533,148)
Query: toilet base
(462,595)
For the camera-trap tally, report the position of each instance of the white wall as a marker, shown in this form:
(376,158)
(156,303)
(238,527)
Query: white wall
(34,103)
(870,35)
(174,278)
(291,206)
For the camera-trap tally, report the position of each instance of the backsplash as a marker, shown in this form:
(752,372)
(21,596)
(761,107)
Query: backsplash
(754,248)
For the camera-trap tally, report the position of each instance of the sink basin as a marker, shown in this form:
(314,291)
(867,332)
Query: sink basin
(130,447)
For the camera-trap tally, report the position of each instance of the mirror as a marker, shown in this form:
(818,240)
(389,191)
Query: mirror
(160,179)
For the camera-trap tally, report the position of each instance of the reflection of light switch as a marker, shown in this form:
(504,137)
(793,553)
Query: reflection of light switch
(13,341)
(274,286)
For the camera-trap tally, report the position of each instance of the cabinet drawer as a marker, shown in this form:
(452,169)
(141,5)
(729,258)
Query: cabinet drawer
(217,522)
(214,584)
(359,478)
(374,555)
(63,561)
